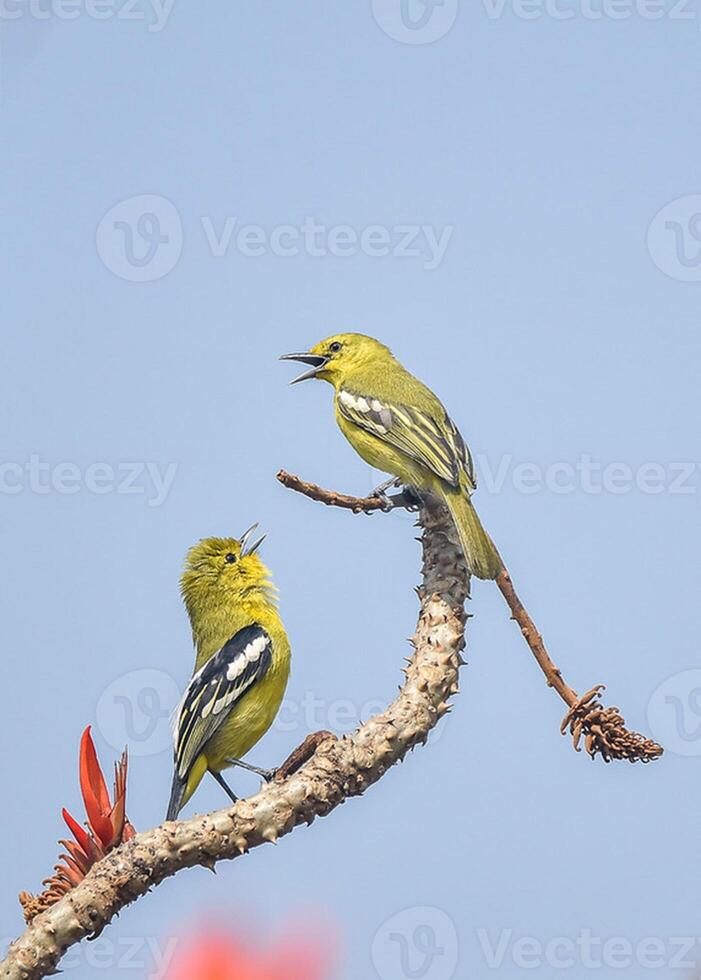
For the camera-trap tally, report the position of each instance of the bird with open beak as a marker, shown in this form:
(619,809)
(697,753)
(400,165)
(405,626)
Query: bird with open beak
(396,424)
(241,668)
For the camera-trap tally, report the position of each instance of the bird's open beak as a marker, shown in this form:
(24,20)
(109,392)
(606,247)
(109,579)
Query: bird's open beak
(247,548)
(317,362)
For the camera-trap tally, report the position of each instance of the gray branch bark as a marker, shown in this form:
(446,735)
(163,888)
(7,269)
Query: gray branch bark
(339,769)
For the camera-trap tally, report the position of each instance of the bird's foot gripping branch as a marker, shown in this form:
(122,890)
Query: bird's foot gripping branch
(602,730)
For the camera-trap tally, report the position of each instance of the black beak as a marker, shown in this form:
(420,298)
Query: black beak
(317,362)
(247,546)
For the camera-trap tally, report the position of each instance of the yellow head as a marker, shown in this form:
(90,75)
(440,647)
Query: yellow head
(219,571)
(337,357)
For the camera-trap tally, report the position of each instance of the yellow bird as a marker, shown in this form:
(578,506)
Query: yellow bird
(396,424)
(241,668)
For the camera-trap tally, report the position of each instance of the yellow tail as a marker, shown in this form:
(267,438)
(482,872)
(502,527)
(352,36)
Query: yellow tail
(481,555)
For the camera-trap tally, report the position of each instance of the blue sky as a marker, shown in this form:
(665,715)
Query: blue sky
(506,194)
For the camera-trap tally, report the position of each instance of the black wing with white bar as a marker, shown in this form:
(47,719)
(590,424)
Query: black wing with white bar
(216,688)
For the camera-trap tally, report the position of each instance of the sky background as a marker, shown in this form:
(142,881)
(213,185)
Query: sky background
(143,408)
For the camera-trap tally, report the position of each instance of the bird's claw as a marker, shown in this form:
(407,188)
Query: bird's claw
(380,493)
(381,489)
(385,501)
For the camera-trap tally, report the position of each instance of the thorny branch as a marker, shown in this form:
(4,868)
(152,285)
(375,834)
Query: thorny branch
(601,729)
(321,774)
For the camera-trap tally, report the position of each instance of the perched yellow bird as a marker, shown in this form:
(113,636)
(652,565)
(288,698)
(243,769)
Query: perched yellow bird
(396,424)
(241,668)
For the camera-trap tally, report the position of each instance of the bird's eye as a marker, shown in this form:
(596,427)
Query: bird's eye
(335,347)
(230,558)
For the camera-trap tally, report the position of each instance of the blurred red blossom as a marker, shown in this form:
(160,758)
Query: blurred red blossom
(106,828)
(215,955)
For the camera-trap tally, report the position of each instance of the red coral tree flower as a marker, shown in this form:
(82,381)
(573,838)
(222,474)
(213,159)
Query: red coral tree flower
(107,827)
(216,956)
